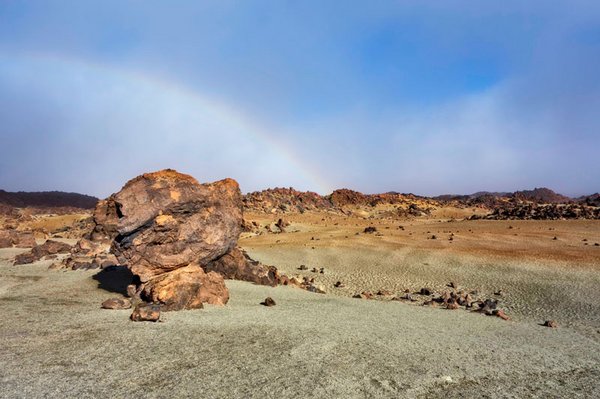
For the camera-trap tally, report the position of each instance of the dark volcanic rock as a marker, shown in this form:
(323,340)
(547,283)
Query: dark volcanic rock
(268,302)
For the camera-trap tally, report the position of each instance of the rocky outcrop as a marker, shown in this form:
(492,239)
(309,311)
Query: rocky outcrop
(284,200)
(237,265)
(14,238)
(163,226)
(167,220)
(532,211)
(178,237)
(50,247)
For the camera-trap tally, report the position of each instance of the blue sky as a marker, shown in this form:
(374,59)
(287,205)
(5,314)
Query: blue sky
(421,96)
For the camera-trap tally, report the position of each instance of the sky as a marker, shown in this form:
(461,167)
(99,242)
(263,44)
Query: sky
(428,97)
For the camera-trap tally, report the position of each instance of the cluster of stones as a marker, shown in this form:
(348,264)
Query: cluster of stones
(448,299)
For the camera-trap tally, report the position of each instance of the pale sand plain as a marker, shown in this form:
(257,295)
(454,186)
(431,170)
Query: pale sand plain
(57,342)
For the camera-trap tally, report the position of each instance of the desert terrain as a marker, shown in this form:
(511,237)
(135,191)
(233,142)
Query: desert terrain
(57,341)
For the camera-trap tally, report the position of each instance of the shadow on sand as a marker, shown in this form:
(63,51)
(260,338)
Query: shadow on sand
(115,279)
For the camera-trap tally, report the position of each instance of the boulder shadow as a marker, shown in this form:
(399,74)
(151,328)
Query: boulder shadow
(115,279)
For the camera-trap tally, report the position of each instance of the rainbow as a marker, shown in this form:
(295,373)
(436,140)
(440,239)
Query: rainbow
(231,118)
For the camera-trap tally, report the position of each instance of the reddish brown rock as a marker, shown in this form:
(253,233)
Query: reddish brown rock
(50,247)
(500,313)
(237,265)
(167,220)
(550,323)
(116,303)
(15,238)
(146,312)
(186,288)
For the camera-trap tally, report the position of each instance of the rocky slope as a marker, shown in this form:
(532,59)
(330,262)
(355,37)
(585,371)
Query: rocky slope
(47,199)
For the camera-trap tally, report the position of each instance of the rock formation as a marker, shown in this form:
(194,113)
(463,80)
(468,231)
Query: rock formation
(179,238)
(50,247)
(19,239)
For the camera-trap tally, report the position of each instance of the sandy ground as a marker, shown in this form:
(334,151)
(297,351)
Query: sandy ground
(541,278)
(55,341)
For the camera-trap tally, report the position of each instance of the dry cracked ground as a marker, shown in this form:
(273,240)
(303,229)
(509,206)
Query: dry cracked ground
(56,341)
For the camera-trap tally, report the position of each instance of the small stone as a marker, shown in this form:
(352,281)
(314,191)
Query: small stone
(452,284)
(339,284)
(425,291)
(268,302)
(550,323)
(132,291)
(370,230)
(452,305)
(500,313)
(303,267)
(116,304)
(146,312)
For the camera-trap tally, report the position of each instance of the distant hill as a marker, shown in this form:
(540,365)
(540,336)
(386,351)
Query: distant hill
(591,200)
(543,195)
(540,195)
(47,199)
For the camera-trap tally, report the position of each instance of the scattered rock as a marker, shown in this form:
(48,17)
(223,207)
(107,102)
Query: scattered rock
(303,267)
(116,303)
(500,313)
(551,324)
(146,312)
(339,284)
(281,225)
(370,230)
(363,295)
(425,291)
(268,302)
(50,247)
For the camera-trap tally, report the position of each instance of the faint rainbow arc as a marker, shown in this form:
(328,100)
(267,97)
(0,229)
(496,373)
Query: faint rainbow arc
(235,118)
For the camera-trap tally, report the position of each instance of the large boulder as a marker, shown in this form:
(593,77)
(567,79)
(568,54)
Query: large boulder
(186,288)
(167,220)
(179,237)
(165,226)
